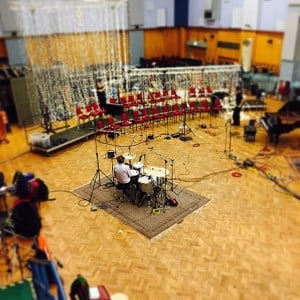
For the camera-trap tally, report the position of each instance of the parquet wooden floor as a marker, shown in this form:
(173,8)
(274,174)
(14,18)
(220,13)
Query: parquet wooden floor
(245,244)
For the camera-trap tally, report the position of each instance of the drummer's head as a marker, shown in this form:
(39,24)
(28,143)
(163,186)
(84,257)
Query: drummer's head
(120,159)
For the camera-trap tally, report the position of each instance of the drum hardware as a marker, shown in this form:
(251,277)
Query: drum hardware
(149,191)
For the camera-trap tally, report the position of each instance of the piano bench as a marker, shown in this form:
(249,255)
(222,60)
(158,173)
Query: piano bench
(249,133)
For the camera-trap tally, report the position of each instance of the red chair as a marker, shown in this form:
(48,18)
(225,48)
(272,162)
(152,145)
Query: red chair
(3,124)
(166,112)
(112,125)
(165,95)
(174,94)
(176,112)
(124,102)
(102,130)
(194,109)
(132,101)
(157,115)
(157,96)
(202,92)
(208,91)
(185,107)
(92,112)
(81,116)
(151,98)
(204,107)
(125,122)
(146,116)
(139,98)
(217,106)
(97,109)
(192,92)
(137,119)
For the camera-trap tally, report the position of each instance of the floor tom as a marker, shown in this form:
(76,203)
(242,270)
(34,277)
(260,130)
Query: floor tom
(145,184)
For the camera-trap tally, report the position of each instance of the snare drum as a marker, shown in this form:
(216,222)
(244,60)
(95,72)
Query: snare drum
(145,184)
(138,166)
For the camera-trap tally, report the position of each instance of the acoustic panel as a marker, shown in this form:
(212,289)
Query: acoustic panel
(161,16)
(22,101)
(9,17)
(135,13)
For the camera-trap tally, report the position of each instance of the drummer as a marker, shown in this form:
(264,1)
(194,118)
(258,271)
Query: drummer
(122,172)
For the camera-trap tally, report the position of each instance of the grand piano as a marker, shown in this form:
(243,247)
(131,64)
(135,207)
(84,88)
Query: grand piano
(286,119)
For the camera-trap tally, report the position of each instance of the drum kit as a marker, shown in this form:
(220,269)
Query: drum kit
(149,182)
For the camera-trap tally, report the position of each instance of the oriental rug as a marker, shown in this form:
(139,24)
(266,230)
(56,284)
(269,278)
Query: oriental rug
(147,219)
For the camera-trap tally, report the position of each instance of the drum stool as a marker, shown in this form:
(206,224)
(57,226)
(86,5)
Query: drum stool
(121,190)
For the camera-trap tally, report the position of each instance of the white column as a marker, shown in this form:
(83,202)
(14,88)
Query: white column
(290,58)
(250,13)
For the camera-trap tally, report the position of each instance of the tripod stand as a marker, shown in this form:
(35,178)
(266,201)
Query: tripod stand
(228,137)
(97,173)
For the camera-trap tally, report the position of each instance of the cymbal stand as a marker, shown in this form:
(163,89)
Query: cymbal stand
(172,175)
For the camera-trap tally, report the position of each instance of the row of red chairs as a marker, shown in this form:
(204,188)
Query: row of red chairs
(147,116)
(158,97)
(201,93)
(91,110)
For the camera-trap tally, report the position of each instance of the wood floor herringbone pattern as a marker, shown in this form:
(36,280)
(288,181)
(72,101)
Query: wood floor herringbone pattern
(243,245)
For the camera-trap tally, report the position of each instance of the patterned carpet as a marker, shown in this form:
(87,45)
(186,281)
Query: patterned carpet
(147,219)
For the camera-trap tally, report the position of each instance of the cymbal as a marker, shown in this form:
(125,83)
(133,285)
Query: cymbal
(129,156)
(156,171)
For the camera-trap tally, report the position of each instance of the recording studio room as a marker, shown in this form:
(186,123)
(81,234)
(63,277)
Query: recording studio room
(149,149)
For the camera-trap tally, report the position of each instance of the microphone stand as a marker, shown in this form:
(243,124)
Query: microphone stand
(97,173)
(172,176)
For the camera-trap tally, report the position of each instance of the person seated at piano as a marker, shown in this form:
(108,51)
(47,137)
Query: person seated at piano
(239,101)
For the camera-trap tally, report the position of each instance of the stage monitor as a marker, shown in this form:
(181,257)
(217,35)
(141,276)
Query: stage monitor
(114,109)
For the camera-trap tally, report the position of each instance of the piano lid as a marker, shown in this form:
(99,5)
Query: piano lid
(289,112)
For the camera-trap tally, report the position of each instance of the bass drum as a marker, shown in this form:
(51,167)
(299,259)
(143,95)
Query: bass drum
(145,184)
